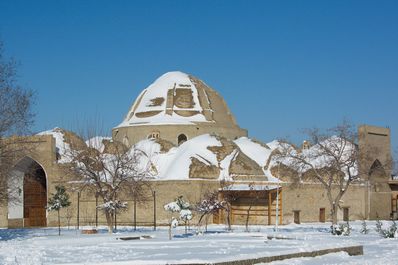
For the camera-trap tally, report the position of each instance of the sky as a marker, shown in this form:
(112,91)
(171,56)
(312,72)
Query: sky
(281,66)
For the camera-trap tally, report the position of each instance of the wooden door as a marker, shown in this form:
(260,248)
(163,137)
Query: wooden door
(35,201)
(322,215)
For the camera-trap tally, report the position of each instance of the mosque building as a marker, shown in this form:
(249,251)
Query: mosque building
(194,145)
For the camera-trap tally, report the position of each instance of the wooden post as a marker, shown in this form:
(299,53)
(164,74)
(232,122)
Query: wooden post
(154,210)
(135,213)
(269,207)
(280,207)
(115,221)
(96,209)
(221,217)
(78,210)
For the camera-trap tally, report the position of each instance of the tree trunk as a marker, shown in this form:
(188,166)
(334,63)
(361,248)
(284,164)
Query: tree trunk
(109,221)
(247,218)
(229,218)
(333,207)
(135,213)
(59,224)
(170,231)
(334,213)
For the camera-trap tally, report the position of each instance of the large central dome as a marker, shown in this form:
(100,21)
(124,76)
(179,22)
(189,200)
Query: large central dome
(172,98)
(177,103)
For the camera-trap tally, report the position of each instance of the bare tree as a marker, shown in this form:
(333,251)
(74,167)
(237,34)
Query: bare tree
(68,216)
(16,117)
(112,171)
(332,160)
(255,194)
(228,196)
(208,206)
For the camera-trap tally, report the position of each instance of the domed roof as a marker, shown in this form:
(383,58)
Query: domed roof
(178,98)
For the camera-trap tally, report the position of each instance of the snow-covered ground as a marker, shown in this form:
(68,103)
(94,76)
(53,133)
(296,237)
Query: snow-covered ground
(44,246)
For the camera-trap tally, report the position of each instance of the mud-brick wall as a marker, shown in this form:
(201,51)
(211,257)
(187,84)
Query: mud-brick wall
(307,199)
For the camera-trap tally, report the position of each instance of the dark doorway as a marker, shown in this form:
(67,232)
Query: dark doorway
(346,214)
(296,217)
(182,138)
(35,196)
(322,215)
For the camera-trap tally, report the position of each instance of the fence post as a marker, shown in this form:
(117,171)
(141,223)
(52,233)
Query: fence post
(115,221)
(78,210)
(96,209)
(154,210)
(135,213)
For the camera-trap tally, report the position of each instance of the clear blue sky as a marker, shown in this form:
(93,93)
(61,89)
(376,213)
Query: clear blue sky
(280,65)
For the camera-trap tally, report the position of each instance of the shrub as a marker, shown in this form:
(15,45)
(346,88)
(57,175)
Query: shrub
(364,230)
(379,226)
(389,232)
(341,229)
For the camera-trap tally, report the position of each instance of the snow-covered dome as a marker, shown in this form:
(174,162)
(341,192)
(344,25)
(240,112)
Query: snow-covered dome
(176,98)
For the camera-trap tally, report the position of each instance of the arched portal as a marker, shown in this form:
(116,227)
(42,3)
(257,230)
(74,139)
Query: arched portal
(29,199)
(181,139)
(377,169)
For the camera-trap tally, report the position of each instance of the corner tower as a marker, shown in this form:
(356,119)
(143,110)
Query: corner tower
(177,107)
(375,163)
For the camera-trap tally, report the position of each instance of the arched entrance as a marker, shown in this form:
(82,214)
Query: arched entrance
(28,208)
(181,139)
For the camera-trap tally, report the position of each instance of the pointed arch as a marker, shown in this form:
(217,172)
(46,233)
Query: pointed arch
(27,194)
(377,168)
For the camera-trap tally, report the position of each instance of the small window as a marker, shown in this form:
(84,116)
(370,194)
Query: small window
(154,135)
(181,139)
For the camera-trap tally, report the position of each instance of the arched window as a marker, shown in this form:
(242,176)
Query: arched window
(181,139)
(126,141)
(154,135)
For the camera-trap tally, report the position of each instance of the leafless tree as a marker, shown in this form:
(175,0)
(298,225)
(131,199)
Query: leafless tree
(16,117)
(208,206)
(255,194)
(110,170)
(332,160)
(68,215)
(228,196)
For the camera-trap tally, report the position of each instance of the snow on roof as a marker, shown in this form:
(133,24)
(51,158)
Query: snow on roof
(246,187)
(225,164)
(97,142)
(257,152)
(154,99)
(318,157)
(175,163)
(62,148)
